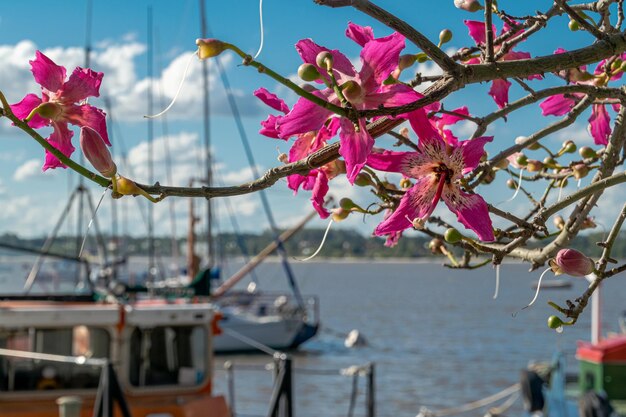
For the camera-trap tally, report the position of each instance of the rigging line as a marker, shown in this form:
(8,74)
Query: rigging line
(280,248)
(258,345)
(92,221)
(236,228)
(168,161)
(260,29)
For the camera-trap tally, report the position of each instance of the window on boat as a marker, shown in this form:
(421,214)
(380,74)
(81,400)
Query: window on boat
(168,355)
(23,374)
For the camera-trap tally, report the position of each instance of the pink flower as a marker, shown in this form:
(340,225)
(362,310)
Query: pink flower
(437,167)
(96,152)
(499,87)
(571,262)
(379,57)
(315,180)
(599,122)
(57,105)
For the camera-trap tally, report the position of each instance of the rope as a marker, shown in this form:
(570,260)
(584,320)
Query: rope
(257,345)
(425,412)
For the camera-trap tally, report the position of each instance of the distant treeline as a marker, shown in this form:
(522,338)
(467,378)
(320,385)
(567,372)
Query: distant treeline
(339,243)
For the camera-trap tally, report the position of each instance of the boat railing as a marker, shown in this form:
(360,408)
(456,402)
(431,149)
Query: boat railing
(272,303)
(109,389)
(283,401)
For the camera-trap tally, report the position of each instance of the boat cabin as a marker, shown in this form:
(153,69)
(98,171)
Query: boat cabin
(161,353)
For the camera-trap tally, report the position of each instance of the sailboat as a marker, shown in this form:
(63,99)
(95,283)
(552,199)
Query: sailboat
(251,319)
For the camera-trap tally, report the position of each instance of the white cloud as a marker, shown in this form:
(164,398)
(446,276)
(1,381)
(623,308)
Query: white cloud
(121,82)
(30,169)
(577,132)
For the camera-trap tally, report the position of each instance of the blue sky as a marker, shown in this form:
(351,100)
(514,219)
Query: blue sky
(32,201)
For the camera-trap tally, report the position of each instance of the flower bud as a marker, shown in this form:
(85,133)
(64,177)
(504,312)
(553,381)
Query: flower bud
(363,179)
(559,223)
(209,48)
(325,60)
(588,223)
(405,183)
(445,36)
(352,91)
(421,57)
(308,72)
(549,161)
(452,235)
(468,5)
(569,146)
(573,25)
(96,152)
(571,262)
(534,166)
(340,214)
(47,110)
(554,322)
(586,152)
(406,61)
(347,204)
(580,171)
(436,245)
(511,184)
(521,160)
(502,164)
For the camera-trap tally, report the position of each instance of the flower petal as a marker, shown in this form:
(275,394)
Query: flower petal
(472,151)
(342,66)
(22,109)
(471,210)
(47,74)
(477,30)
(359,34)
(420,123)
(415,203)
(500,91)
(87,115)
(303,117)
(61,138)
(390,96)
(320,189)
(301,147)
(556,105)
(380,57)
(296,180)
(600,124)
(354,146)
(83,83)
(271,100)
(268,127)
(388,161)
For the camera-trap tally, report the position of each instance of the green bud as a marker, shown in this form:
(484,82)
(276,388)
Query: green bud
(586,152)
(573,25)
(363,179)
(534,166)
(445,36)
(347,204)
(580,171)
(554,322)
(569,146)
(511,184)
(549,161)
(405,183)
(352,91)
(522,160)
(325,60)
(406,61)
(452,235)
(47,110)
(308,72)
(209,48)
(421,57)
(340,214)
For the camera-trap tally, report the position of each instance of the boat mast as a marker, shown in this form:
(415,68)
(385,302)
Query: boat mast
(207,139)
(151,254)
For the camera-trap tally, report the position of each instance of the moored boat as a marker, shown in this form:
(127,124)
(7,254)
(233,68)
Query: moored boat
(160,352)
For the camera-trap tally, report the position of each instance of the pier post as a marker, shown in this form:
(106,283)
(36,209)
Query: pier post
(230,378)
(69,406)
(370,393)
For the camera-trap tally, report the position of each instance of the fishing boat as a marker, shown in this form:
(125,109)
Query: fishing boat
(153,357)
(596,389)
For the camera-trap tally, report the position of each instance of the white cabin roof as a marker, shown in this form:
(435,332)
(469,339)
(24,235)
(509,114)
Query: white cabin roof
(145,314)
(59,314)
